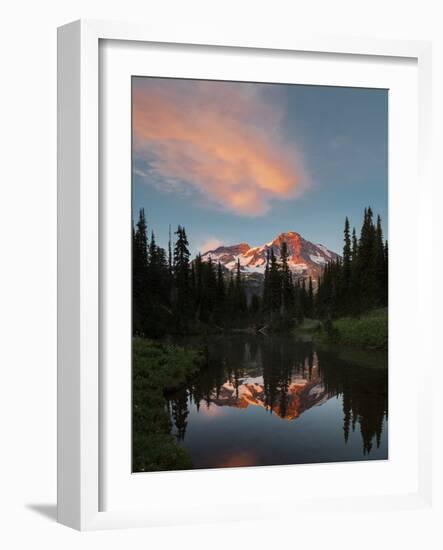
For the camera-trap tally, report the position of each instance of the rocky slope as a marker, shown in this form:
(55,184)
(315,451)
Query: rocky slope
(305,258)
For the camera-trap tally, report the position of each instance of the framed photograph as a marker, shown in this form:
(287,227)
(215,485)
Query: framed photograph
(236,223)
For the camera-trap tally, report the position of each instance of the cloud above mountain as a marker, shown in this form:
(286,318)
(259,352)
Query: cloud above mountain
(224,142)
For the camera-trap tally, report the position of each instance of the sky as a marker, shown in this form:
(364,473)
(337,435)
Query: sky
(243,162)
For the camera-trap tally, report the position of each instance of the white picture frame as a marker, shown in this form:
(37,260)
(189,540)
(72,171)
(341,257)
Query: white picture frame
(81,469)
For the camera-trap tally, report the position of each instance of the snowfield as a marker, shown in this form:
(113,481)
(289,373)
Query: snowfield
(304,258)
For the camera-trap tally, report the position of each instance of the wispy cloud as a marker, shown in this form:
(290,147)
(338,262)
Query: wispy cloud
(223,141)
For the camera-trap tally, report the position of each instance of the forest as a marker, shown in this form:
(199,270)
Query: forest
(175,294)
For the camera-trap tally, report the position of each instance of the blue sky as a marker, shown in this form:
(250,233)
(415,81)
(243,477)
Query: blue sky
(243,162)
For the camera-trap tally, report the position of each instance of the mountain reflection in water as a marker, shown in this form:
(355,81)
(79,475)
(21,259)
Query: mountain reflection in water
(275,400)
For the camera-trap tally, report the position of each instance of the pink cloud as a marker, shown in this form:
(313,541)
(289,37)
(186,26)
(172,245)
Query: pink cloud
(221,140)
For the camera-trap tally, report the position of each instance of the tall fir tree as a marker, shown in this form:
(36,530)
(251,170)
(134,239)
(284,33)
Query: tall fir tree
(347,259)
(274,286)
(354,285)
(310,309)
(220,302)
(287,288)
(240,295)
(367,261)
(266,297)
(170,262)
(182,279)
(139,272)
(358,282)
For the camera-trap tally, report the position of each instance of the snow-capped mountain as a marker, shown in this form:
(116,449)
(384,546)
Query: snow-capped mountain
(305,258)
(300,395)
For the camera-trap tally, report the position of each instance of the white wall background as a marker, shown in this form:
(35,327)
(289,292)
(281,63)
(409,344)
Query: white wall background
(28,267)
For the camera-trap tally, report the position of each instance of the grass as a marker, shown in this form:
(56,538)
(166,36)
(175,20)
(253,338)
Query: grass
(158,367)
(370,331)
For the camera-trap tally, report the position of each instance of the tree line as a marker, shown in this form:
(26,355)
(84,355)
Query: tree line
(280,363)
(285,299)
(357,282)
(174,294)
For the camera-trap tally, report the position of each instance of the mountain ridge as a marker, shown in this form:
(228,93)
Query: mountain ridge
(305,259)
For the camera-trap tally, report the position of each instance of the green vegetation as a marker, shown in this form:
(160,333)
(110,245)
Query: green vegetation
(370,331)
(358,282)
(173,294)
(158,367)
(345,310)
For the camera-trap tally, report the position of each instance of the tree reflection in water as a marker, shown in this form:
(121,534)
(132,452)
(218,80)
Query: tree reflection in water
(287,377)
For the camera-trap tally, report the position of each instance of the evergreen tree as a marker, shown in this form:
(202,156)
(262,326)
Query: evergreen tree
(180,413)
(310,308)
(367,262)
(274,286)
(156,291)
(304,299)
(386,275)
(358,282)
(220,285)
(354,246)
(210,290)
(197,284)
(379,264)
(347,259)
(170,250)
(157,273)
(220,296)
(354,285)
(231,299)
(139,272)
(266,298)
(181,274)
(287,288)
(241,304)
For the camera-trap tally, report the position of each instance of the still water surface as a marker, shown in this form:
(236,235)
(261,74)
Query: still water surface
(275,400)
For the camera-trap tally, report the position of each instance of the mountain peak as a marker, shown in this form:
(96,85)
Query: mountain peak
(288,237)
(305,259)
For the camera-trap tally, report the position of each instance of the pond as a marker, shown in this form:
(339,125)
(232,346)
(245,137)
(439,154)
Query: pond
(273,400)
